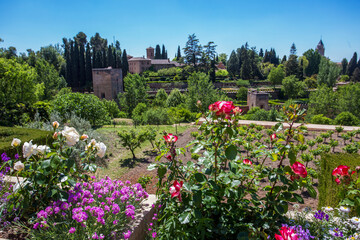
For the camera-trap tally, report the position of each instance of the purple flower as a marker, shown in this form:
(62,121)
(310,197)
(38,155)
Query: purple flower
(41,214)
(4,157)
(36,225)
(72,230)
(336,232)
(321,215)
(127,235)
(16,156)
(154,234)
(95,236)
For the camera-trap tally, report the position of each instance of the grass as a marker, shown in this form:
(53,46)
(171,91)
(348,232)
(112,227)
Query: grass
(7,134)
(120,159)
(328,189)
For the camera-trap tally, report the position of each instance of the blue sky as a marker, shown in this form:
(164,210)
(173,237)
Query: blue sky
(138,24)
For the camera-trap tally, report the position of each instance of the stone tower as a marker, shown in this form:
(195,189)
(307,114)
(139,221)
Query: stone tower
(150,53)
(107,82)
(320,48)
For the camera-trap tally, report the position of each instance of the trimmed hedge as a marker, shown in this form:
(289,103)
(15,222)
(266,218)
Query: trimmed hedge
(328,189)
(7,134)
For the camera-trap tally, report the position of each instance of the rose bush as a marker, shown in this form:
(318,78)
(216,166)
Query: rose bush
(221,195)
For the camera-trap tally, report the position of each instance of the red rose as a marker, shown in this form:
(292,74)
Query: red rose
(175,189)
(272,137)
(170,138)
(222,108)
(169,157)
(286,234)
(337,180)
(247,162)
(299,169)
(341,170)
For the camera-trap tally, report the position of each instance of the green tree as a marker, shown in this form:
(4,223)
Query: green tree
(52,55)
(293,49)
(223,58)
(135,92)
(158,52)
(132,139)
(175,98)
(82,67)
(292,87)
(352,65)
(246,71)
(160,98)
(328,72)
(75,64)
(242,94)
(277,75)
(88,68)
(292,66)
(138,112)
(233,64)
(200,88)
(178,55)
(125,64)
(163,52)
(314,59)
(356,75)
(17,89)
(344,64)
(192,50)
(349,98)
(323,101)
(261,53)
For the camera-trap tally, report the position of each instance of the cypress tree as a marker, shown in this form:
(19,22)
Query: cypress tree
(293,49)
(105,63)
(233,64)
(178,53)
(266,56)
(157,52)
(75,64)
(352,65)
(212,74)
(88,83)
(344,64)
(82,72)
(261,53)
(283,59)
(356,75)
(67,53)
(125,64)
(110,57)
(163,53)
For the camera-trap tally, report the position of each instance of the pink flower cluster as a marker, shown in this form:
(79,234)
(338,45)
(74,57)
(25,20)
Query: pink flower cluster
(100,203)
(224,109)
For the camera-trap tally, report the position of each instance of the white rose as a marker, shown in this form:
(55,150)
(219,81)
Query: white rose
(101,149)
(19,166)
(71,135)
(15,142)
(29,149)
(43,149)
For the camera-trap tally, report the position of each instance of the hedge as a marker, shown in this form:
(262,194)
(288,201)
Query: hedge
(328,189)
(7,134)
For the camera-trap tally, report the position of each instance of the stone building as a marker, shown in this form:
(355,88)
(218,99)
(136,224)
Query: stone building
(107,82)
(320,48)
(141,64)
(258,99)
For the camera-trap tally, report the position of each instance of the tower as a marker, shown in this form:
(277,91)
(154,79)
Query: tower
(150,53)
(320,48)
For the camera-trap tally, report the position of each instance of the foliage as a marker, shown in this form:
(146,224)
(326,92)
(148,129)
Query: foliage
(320,119)
(217,198)
(277,75)
(111,108)
(349,98)
(86,106)
(49,172)
(292,87)
(135,92)
(86,216)
(138,113)
(346,119)
(192,50)
(160,98)
(310,82)
(17,90)
(328,72)
(180,114)
(175,98)
(314,59)
(323,101)
(222,73)
(131,139)
(156,116)
(242,94)
(329,191)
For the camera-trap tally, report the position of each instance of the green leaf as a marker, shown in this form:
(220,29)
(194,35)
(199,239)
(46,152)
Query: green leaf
(231,152)
(233,167)
(63,178)
(197,198)
(187,186)
(292,157)
(298,198)
(196,148)
(185,217)
(161,171)
(301,138)
(311,191)
(279,127)
(200,177)
(243,236)
(45,164)
(280,209)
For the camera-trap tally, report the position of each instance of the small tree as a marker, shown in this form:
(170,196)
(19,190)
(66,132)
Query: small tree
(277,75)
(292,87)
(132,139)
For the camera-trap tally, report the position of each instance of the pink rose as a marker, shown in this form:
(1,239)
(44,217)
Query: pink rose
(222,108)
(286,234)
(299,169)
(175,189)
(170,138)
(247,162)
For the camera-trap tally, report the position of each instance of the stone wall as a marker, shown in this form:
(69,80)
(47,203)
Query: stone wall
(107,82)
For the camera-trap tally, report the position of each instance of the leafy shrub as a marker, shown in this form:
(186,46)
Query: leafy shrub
(86,106)
(138,113)
(156,116)
(242,93)
(175,98)
(221,73)
(132,139)
(160,98)
(347,119)
(180,114)
(112,108)
(122,114)
(242,83)
(321,119)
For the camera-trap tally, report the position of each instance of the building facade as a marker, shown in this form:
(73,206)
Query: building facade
(107,82)
(320,48)
(258,99)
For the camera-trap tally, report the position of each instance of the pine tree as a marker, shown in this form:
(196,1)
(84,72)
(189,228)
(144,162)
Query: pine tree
(82,72)
(344,64)
(293,49)
(212,74)
(261,53)
(233,64)
(157,52)
(125,64)
(352,65)
(178,53)
(192,50)
(283,60)
(88,84)
(163,53)
(266,56)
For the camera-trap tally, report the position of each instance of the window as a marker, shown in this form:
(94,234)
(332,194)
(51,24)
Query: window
(102,95)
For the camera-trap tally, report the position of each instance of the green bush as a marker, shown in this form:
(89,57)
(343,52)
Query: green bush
(175,98)
(122,114)
(7,134)
(221,73)
(242,94)
(138,113)
(321,119)
(156,116)
(112,108)
(328,189)
(242,83)
(86,106)
(346,119)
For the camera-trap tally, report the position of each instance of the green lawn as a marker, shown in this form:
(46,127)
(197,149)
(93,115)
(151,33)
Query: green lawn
(119,156)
